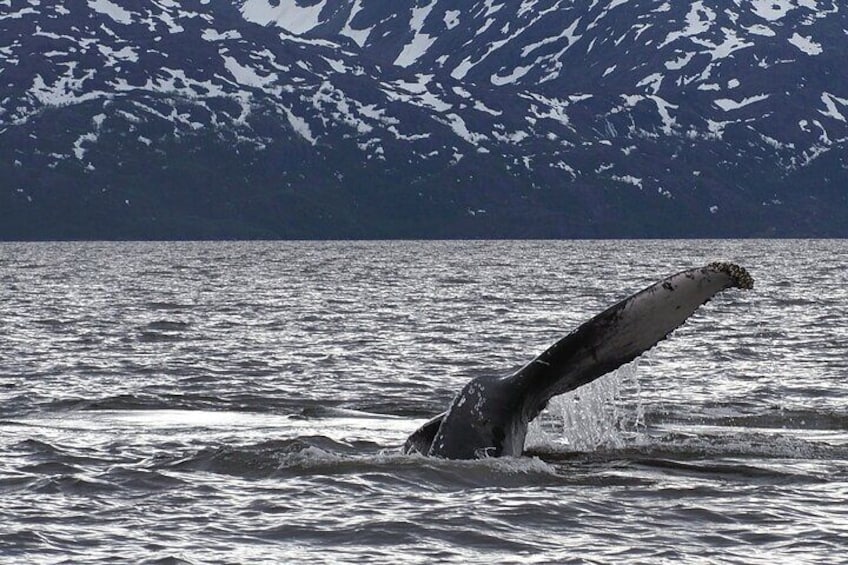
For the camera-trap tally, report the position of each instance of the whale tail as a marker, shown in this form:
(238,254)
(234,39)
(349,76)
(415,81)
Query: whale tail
(490,415)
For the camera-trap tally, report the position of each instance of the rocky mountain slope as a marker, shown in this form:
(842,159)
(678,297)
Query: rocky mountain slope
(423,118)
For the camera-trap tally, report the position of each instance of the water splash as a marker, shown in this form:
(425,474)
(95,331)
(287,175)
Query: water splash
(607,413)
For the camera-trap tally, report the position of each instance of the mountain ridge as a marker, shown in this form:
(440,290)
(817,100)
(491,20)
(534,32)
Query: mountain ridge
(339,119)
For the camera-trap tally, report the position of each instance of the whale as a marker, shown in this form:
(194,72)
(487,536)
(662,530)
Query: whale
(490,415)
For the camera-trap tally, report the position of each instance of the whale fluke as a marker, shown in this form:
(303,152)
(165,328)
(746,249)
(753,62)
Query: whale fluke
(490,415)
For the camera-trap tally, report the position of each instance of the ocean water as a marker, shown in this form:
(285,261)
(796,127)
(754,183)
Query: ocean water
(246,402)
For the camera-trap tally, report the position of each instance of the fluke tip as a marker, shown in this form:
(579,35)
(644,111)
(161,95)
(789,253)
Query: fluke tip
(741,277)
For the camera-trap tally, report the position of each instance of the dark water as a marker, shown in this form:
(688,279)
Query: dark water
(244,403)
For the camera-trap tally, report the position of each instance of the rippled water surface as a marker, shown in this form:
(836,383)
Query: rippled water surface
(245,403)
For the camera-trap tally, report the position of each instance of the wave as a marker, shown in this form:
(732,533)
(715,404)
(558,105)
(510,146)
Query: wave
(744,455)
(167,325)
(159,337)
(749,444)
(766,458)
(750,458)
(138,402)
(167,306)
(717,470)
(231,402)
(788,418)
(321,456)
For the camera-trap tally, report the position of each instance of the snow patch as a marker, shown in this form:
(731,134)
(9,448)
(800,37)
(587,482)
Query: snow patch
(569,33)
(663,109)
(215,35)
(79,151)
(806,44)
(452,18)
(830,102)
(247,76)
(421,42)
(565,167)
(66,90)
(300,126)
(653,81)
(554,108)
(285,14)
(457,124)
(772,10)
(360,36)
(760,29)
(333,102)
(731,44)
(114,11)
(729,105)
(481,107)
(462,69)
(680,62)
(125,54)
(698,21)
(416,93)
(628,179)
(515,75)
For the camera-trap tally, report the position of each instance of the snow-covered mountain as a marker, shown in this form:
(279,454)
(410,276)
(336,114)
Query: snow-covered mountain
(368,118)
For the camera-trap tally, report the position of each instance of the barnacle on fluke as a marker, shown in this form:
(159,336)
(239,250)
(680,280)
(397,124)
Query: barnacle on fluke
(740,276)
